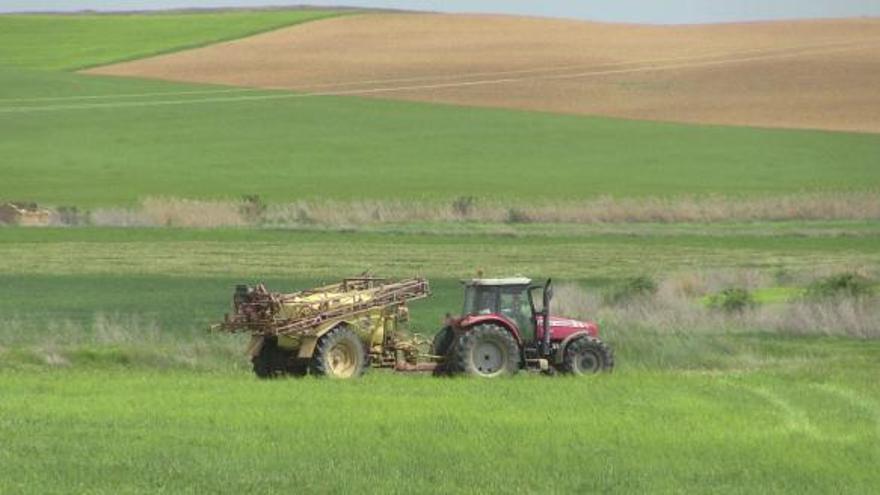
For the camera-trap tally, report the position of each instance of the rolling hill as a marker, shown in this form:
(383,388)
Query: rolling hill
(820,74)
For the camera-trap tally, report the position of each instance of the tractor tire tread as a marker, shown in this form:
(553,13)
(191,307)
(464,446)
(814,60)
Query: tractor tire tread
(318,366)
(463,349)
(602,349)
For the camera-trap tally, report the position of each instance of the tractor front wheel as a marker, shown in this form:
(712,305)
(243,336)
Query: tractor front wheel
(339,354)
(586,356)
(487,351)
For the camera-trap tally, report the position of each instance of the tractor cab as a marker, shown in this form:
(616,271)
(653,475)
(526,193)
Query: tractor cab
(506,297)
(506,324)
(514,299)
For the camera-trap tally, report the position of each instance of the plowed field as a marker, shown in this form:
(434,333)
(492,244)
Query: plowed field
(821,74)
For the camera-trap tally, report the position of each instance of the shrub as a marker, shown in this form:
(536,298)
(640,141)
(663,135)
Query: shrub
(253,208)
(304,216)
(640,287)
(783,276)
(463,206)
(71,215)
(732,300)
(839,286)
(515,215)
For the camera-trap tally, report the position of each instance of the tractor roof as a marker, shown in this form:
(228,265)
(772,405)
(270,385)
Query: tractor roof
(498,281)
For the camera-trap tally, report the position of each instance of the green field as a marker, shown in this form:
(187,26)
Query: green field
(68,42)
(109,382)
(305,254)
(97,141)
(794,430)
(345,148)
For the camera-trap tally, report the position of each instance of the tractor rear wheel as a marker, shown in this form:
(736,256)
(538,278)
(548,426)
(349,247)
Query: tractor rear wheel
(271,361)
(487,351)
(586,356)
(339,354)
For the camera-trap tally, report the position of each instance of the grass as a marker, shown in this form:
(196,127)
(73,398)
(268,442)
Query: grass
(346,148)
(277,253)
(790,430)
(68,42)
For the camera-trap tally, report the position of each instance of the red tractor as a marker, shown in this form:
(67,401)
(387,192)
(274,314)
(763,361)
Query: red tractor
(506,326)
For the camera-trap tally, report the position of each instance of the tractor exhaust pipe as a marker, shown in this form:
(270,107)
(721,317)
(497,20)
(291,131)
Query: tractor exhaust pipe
(545,322)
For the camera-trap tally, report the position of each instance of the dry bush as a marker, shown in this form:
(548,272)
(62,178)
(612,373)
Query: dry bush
(695,284)
(174,212)
(366,212)
(359,212)
(120,217)
(854,317)
(159,211)
(193,213)
(713,208)
(675,311)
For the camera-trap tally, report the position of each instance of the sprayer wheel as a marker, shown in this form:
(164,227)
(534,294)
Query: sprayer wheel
(339,354)
(271,361)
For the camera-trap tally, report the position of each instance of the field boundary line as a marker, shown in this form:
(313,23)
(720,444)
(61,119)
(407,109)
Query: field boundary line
(449,85)
(326,14)
(132,95)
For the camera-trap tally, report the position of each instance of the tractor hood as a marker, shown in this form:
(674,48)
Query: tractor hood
(561,327)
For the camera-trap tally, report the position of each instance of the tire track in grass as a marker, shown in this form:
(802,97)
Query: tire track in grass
(855,400)
(794,419)
(417,87)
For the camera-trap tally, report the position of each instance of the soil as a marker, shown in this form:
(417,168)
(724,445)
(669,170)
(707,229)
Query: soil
(820,74)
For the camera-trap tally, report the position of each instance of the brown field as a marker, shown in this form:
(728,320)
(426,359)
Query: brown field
(822,74)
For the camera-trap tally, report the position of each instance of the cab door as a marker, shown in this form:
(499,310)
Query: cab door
(514,305)
(536,305)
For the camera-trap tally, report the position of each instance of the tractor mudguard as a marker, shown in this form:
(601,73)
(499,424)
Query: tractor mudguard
(309,342)
(307,347)
(560,352)
(474,320)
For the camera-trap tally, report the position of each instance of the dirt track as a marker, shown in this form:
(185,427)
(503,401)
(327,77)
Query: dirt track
(803,74)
